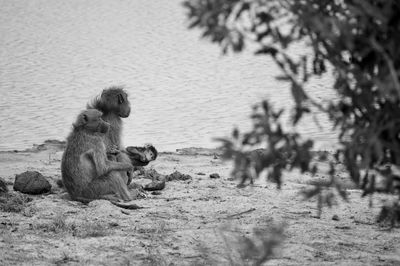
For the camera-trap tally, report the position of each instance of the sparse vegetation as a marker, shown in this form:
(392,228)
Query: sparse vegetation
(84,229)
(156,233)
(242,249)
(65,259)
(13,202)
(91,229)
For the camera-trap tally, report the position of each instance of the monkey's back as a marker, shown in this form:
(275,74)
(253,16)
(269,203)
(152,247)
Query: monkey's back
(77,170)
(113,135)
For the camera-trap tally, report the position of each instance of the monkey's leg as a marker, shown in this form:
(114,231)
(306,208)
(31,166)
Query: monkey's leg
(112,183)
(127,176)
(109,197)
(114,200)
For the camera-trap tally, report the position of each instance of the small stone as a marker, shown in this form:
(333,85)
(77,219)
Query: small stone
(335,218)
(155,185)
(200,173)
(31,182)
(215,175)
(60,183)
(177,176)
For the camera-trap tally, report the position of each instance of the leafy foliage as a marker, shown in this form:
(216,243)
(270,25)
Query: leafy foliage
(357,41)
(245,249)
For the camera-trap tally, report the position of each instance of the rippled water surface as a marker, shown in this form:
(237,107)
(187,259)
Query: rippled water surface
(56,55)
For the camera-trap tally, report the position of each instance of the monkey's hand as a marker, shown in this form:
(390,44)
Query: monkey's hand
(113,150)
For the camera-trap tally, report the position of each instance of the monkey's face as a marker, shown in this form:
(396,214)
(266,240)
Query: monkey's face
(124,106)
(149,156)
(115,100)
(92,121)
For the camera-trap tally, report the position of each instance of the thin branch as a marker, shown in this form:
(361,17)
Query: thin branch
(389,62)
(294,80)
(240,213)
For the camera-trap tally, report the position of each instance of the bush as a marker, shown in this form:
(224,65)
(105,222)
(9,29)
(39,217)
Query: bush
(358,40)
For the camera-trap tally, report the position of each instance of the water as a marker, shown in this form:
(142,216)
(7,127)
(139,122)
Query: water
(56,55)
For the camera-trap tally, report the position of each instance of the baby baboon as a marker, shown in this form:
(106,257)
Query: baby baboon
(141,156)
(114,104)
(87,174)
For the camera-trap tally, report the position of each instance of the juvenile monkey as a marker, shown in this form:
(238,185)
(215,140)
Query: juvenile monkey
(141,156)
(114,104)
(86,172)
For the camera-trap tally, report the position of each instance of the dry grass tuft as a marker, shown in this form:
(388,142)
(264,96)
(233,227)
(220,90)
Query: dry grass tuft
(13,202)
(240,249)
(84,229)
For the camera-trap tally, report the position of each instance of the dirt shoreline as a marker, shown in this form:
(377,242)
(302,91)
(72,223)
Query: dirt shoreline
(187,223)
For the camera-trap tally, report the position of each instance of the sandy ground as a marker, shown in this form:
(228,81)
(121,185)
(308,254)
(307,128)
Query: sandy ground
(192,222)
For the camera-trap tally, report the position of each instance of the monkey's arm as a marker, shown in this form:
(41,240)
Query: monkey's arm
(104,166)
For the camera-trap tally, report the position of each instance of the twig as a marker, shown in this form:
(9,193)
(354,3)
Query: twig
(389,62)
(240,213)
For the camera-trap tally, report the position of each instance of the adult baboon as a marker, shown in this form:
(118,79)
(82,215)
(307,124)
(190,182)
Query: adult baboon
(114,104)
(87,173)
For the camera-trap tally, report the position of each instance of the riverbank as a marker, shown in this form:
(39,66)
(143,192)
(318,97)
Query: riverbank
(188,222)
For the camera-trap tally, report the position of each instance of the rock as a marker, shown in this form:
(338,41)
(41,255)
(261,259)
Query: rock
(60,183)
(215,175)
(155,185)
(335,218)
(177,176)
(200,173)
(3,186)
(31,182)
(152,174)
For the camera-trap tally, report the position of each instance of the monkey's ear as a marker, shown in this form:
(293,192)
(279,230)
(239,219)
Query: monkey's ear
(120,98)
(81,121)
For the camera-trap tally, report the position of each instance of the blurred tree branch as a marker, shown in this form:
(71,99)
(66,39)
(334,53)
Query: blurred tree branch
(358,40)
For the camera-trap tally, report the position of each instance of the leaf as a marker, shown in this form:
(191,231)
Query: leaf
(225,142)
(283,78)
(194,23)
(298,94)
(267,50)
(265,17)
(235,133)
(266,107)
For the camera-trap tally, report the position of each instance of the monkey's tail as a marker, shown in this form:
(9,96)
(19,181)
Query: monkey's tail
(130,205)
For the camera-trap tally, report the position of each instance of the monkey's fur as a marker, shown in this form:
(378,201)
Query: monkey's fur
(114,104)
(87,174)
